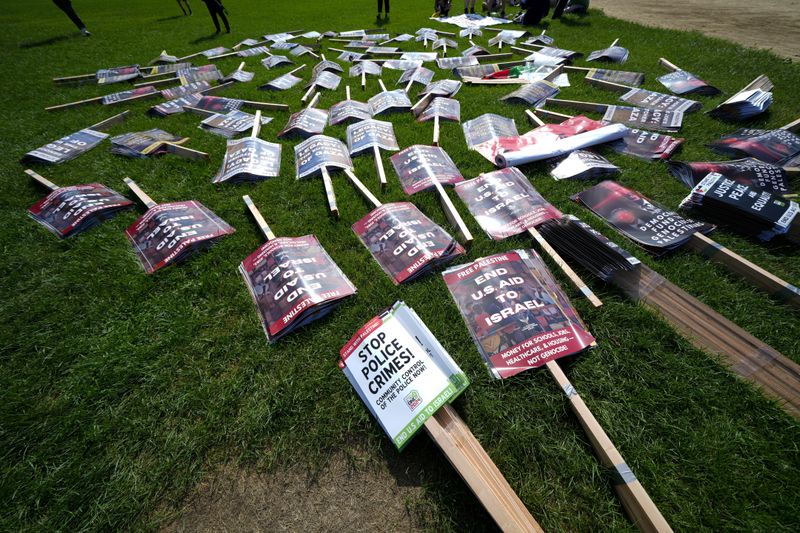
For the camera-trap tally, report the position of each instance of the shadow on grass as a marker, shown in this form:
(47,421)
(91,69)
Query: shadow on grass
(173,17)
(209,37)
(575,20)
(48,41)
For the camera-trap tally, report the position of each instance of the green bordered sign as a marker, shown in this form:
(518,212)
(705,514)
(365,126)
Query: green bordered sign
(401,372)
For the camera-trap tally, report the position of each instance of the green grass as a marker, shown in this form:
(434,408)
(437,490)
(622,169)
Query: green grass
(120,391)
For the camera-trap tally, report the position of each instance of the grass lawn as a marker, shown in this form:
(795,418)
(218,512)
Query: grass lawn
(120,391)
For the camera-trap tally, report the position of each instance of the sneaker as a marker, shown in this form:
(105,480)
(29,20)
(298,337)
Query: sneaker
(85,32)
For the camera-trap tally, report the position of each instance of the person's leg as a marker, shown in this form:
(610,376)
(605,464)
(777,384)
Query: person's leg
(212,10)
(221,13)
(66,7)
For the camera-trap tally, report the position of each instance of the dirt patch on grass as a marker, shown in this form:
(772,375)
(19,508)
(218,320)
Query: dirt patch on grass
(346,495)
(770,24)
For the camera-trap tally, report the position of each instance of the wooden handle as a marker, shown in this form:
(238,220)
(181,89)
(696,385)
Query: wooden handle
(383,87)
(188,153)
(667,64)
(330,194)
(792,126)
(323,57)
(181,59)
(140,194)
(552,114)
(479,472)
(363,80)
(536,120)
(523,50)
(216,88)
(436,130)
(70,105)
(265,105)
(766,281)
(582,106)
(420,106)
(220,56)
(410,83)
(199,111)
(610,85)
(366,193)
(492,57)
(573,277)
(41,179)
(555,73)
(110,121)
(379,167)
(156,82)
(79,77)
(576,69)
(465,236)
(259,218)
(313,101)
(347,92)
(614,43)
(634,498)
(256,125)
(309,92)
(241,66)
(301,67)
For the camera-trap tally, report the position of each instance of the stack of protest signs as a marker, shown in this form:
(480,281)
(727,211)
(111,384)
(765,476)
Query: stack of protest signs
(153,142)
(680,81)
(403,241)
(67,211)
(316,155)
(659,231)
(505,203)
(292,280)
(371,136)
(520,319)
(750,210)
(170,233)
(422,168)
(749,171)
(752,100)
(407,381)
(250,159)
(74,144)
(780,147)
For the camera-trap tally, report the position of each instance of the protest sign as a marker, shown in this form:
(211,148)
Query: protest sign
(421,168)
(285,81)
(170,233)
(348,111)
(153,142)
(292,280)
(316,155)
(74,144)
(752,100)
(520,319)
(612,54)
(398,338)
(389,101)
(680,81)
(419,75)
(275,61)
(240,75)
(372,135)
(441,109)
(634,117)
(751,172)
(504,203)
(67,211)
(582,164)
(771,146)
(250,159)
(658,231)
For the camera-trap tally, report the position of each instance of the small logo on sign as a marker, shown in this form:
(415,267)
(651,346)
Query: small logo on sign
(413,400)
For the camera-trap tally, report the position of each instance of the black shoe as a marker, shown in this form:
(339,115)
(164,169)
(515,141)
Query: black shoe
(472,11)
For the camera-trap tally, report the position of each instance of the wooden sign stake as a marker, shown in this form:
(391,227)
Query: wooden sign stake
(379,166)
(360,187)
(256,125)
(436,129)
(793,126)
(632,494)
(139,193)
(41,180)
(347,92)
(363,80)
(757,276)
(313,101)
(329,192)
(259,218)
(479,472)
(668,65)
(536,120)
(565,268)
(110,121)
(465,236)
(185,152)
(614,43)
